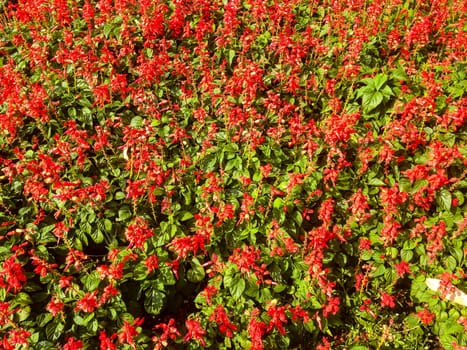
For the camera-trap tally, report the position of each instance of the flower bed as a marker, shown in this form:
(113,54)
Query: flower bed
(233,174)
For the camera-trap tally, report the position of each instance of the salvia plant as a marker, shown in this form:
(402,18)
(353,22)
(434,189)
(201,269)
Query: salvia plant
(233,174)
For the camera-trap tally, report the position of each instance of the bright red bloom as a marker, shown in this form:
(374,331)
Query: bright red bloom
(169,331)
(402,268)
(129,331)
(106,342)
(278,318)
(194,331)
(5,313)
(19,336)
(55,307)
(88,303)
(225,326)
(256,330)
(152,263)
(325,345)
(12,273)
(425,316)
(297,312)
(388,300)
(365,244)
(332,306)
(73,344)
(137,233)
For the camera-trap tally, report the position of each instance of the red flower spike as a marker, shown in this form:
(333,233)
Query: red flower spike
(194,332)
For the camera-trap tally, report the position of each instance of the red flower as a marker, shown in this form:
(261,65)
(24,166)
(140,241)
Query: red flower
(106,342)
(152,263)
(137,233)
(225,326)
(365,244)
(387,300)
(169,331)
(73,344)
(88,303)
(256,330)
(55,307)
(13,274)
(19,336)
(402,268)
(5,313)
(425,316)
(332,307)
(278,318)
(129,331)
(194,331)
(297,312)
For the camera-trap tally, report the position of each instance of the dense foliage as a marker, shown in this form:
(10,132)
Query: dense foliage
(244,174)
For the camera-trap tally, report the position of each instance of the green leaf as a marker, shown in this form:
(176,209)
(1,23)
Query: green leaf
(107,225)
(451,263)
(460,197)
(136,122)
(376,182)
(72,112)
(97,236)
(185,215)
(167,276)
(23,313)
(154,301)
(380,270)
(237,287)
(22,299)
(91,281)
(124,213)
(406,255)
(196,273)
(458,253)
(372,100)
(54,330)
(231,56)
(379,80)
(119,195)
(409,245)
(444,199)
